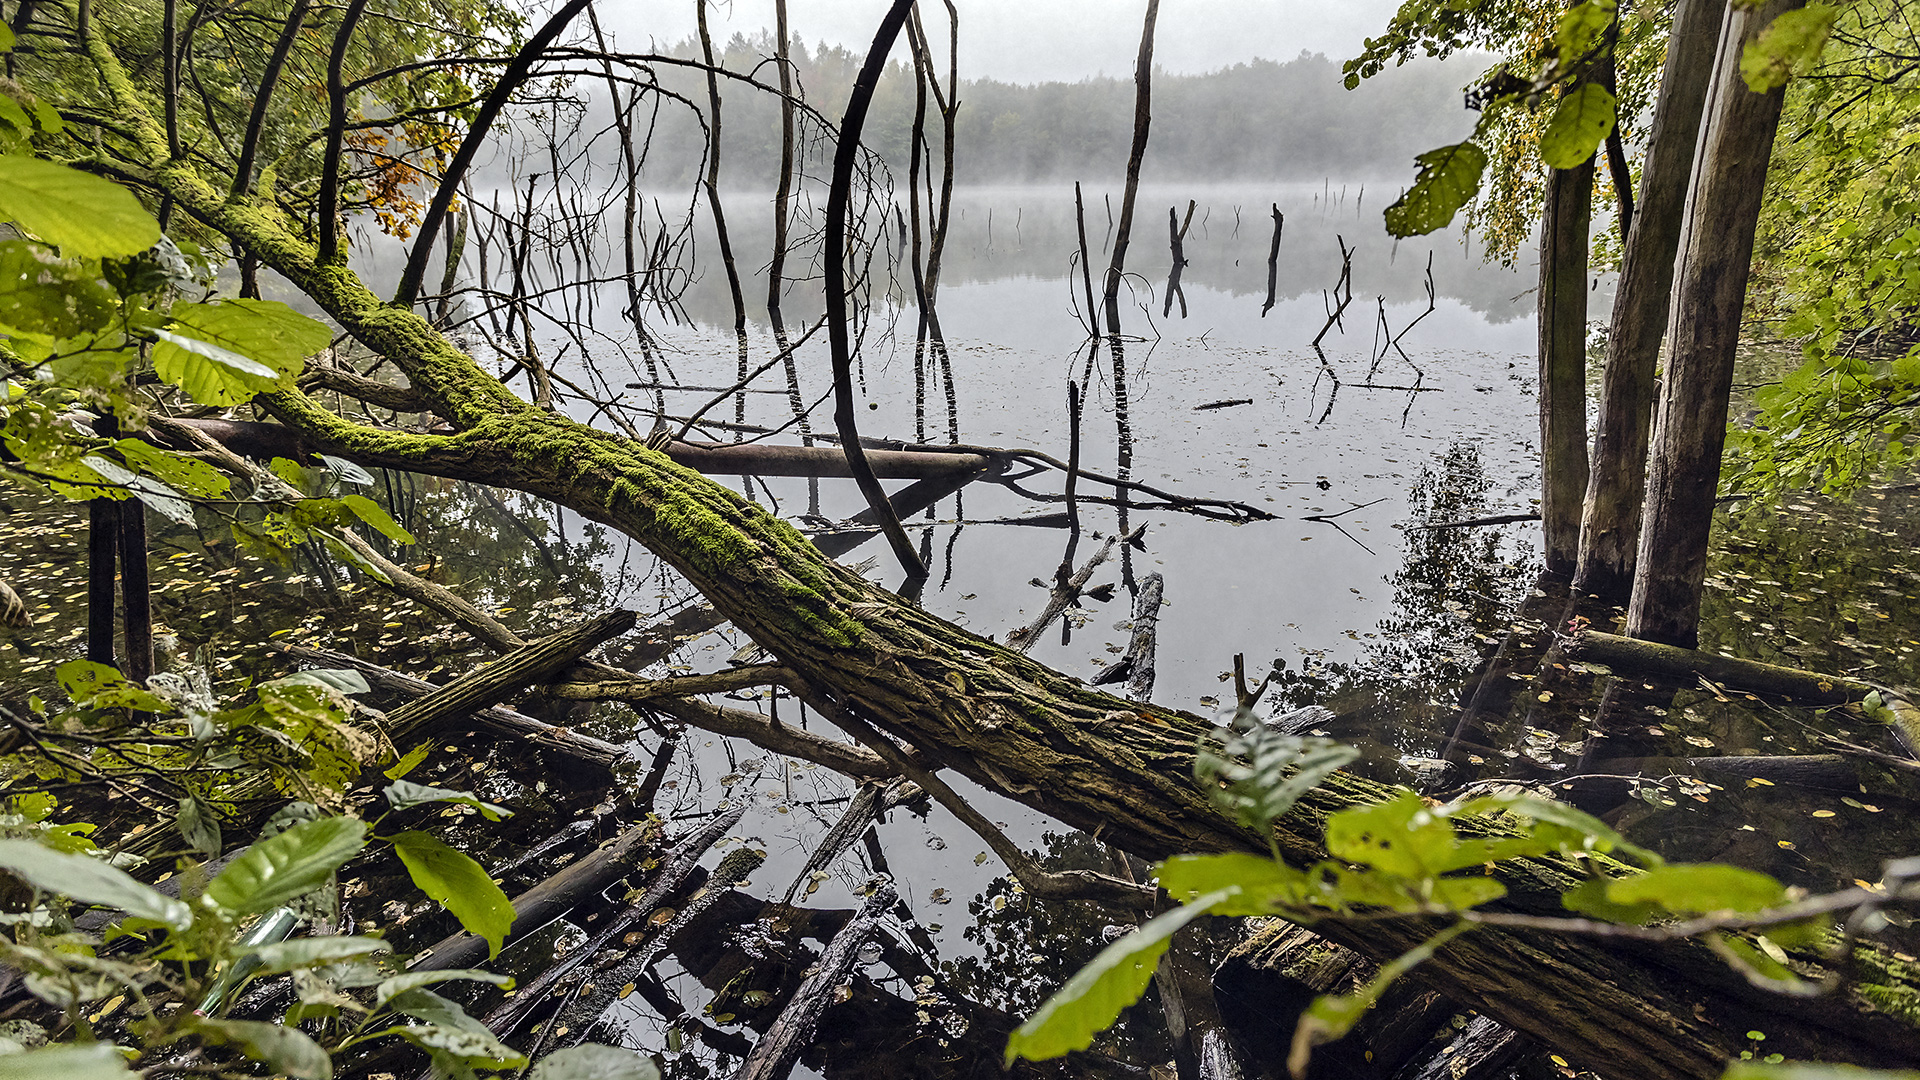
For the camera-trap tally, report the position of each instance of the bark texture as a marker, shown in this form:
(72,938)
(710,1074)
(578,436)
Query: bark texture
(1684,474)
(1563,362)
(1617,485)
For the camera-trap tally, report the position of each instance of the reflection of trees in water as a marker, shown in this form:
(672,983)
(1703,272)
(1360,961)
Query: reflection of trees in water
(1454,590)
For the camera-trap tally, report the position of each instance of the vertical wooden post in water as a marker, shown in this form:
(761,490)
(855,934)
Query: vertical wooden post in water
(1563,362)
(136,598)
(103,540)
(1691,431)
(1142,124)
(1616,489)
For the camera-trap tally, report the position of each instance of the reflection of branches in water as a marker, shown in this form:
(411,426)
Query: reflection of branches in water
(1326,371)
(1393,339)
(1328,519)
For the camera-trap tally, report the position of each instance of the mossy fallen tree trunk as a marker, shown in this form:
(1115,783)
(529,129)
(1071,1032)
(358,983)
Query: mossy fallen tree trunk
(1117,769)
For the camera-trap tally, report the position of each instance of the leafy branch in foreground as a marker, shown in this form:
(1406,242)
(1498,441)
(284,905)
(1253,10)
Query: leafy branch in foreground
(1408,858)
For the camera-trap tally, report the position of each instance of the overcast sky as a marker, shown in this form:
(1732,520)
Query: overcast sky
(1034,40)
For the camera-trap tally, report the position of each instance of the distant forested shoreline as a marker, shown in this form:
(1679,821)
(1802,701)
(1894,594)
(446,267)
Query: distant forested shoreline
(1265,119)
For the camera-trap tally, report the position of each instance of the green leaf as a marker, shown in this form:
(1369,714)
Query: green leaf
(1257,882)
(188,475)
(285,1050)
(1700,887)
(369,511)
(1400,836)
(1579,30)
(1091,1001)
(345,680)
(1333,1015)
(392,988)
(355,559)
(46,298)
(283,956)
(1449,178)
(1589,898)
(93,1061)
(593,1061)
(410,762)
(199,826)
(1462,893)
(458,884)
(224,353)
(404,793)
(1257,775)
(286,864)
(469,1049)
(91,881)
(1787,47)
(208,373)
(1580,123)
(1584,831)
(97,686)
(156,495)
(83,215)
(1795,1070)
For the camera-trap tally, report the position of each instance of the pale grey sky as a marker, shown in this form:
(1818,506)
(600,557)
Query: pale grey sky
(1032,40)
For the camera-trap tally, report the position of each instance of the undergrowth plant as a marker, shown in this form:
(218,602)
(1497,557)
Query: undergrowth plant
(1407,857)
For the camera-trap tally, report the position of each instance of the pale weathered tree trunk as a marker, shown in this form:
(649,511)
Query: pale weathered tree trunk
(1616,488)
(1563,362)
(1684,474)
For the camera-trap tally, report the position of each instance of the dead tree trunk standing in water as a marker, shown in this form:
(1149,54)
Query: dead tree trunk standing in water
(1616,489)
(1273,260)
(1563,360)
(722,240)
(1684,474)
(1177,243)
(1142,122)
(835,268)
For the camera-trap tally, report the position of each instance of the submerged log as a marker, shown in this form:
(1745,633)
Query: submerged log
(1671,661)
(774,1055)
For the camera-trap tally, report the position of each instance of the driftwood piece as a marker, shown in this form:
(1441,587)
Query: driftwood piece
(1469,523)
(489,684)
(1064,593)
(1273,260)
(668,879)
(497,719)
(774,1055)
(763,459)
(865,808)
(579,881)
(1136,664)
(1484,1050)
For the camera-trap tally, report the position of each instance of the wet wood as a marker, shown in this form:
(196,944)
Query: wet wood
(773,1057)
(497,719)
(770,734)
(667,879)
(1065,593)
(1136,666)
(863,811)
(1273,260)
(511,673)
(765,459)
(1484,1050)
(1684,474)
(579,882)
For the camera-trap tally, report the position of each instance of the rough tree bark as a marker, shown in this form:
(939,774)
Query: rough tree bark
(1113,767)
(1684,474)
(1610,520)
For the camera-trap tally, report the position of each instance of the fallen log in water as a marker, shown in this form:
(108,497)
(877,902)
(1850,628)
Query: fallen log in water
(577,882)
(1135,666)
(668,878)
(497,719)
(491,683)
(1635,654)
(865,808)
(769,459)
(774,1055)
